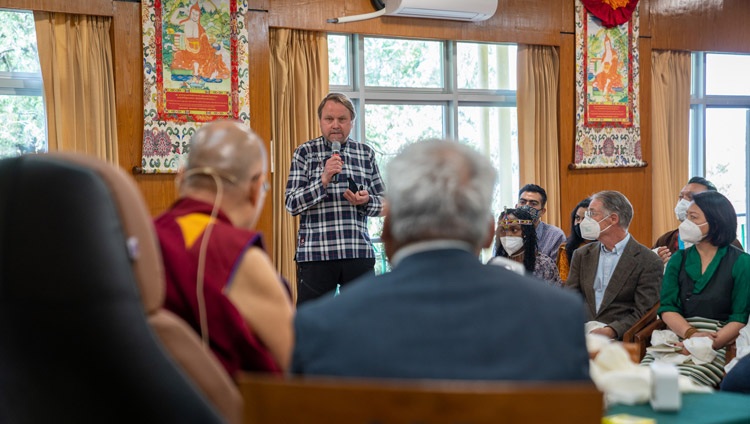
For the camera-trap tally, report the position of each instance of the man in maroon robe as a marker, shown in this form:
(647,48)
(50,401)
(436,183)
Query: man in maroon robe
(219,278)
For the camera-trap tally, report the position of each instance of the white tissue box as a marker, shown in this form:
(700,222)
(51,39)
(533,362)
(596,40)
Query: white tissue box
(665,389)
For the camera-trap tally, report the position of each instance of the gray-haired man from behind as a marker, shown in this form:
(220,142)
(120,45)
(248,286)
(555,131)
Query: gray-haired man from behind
(441,313)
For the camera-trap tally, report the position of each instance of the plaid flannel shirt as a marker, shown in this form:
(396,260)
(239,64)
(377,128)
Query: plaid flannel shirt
(330,227)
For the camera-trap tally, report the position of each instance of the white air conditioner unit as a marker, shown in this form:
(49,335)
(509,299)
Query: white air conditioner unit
(460,10)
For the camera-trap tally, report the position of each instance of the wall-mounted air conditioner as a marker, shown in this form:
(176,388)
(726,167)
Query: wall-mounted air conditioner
(457,10)
(461,10)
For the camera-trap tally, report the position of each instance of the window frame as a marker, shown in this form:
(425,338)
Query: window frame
(24,84)
(450,96)
(700,102)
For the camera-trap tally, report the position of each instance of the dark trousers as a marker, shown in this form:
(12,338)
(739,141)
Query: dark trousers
(318,278)
(738,379)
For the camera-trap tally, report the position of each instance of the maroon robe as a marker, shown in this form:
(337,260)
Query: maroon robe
(180,231)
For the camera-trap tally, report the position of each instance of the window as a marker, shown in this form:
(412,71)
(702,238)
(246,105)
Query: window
(720,128)
(409,89)
(21,98)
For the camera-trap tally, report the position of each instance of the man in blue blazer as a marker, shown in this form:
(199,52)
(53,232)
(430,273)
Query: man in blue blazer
(441,313)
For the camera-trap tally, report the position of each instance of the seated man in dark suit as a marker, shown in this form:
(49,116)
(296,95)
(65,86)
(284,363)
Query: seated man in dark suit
(618,277)
(441,313)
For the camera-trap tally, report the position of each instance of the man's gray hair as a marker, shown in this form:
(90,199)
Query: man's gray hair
(616,202)
(439,189)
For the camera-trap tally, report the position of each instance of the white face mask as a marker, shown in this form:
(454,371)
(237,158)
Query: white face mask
(680,211)
(511,244)
(590,228)
(690,232)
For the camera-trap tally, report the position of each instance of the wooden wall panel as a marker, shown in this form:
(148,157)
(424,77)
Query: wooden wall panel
(634,183)
(88,7)
(520,21)
(711,25)
(158,189)
(257,5)
(568,17)
(260,105)
(571,190)
(716,25)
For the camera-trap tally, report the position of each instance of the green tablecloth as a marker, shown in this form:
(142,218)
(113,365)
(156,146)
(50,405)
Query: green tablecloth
(713,408)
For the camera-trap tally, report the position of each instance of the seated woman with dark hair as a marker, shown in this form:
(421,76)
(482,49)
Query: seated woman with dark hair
(574,241)
(706,288)
(515,238)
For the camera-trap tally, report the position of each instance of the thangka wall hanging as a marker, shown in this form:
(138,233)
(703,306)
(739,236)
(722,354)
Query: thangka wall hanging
(607,85)
(195,60)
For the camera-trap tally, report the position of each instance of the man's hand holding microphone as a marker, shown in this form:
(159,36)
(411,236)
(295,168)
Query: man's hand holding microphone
(333,167)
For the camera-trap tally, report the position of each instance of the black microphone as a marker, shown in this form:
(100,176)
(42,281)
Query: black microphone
(336,151)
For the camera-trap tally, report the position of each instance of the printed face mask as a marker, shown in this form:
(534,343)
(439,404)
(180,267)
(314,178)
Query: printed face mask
(680,211)
(690,232)
(590,228)
(511,244)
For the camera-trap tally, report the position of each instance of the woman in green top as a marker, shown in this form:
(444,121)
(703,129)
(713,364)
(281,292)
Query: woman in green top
(706,287)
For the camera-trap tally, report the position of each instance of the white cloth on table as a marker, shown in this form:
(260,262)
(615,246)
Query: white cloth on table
(622,380)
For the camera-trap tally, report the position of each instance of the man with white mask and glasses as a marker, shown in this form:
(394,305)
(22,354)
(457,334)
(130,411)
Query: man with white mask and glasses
(618,277)
(670,241)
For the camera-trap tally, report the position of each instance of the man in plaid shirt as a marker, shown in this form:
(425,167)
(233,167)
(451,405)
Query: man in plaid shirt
(333,193)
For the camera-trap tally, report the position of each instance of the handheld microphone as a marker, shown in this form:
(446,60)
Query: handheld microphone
(336,151)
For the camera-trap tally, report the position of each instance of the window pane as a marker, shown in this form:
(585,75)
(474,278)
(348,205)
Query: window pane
(338,60)
(726,144)
(23,129)
(388,127)
(493,131)
(695,65)
(18,40)
(22,114)
(692,146)
(403,93)
(403,63)
(486,66)
(726,74)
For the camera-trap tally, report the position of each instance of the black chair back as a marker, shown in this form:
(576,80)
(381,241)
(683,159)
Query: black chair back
(75,344)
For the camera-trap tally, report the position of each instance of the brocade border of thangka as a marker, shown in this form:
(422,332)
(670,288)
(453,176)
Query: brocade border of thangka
(166,134)
(610,138)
